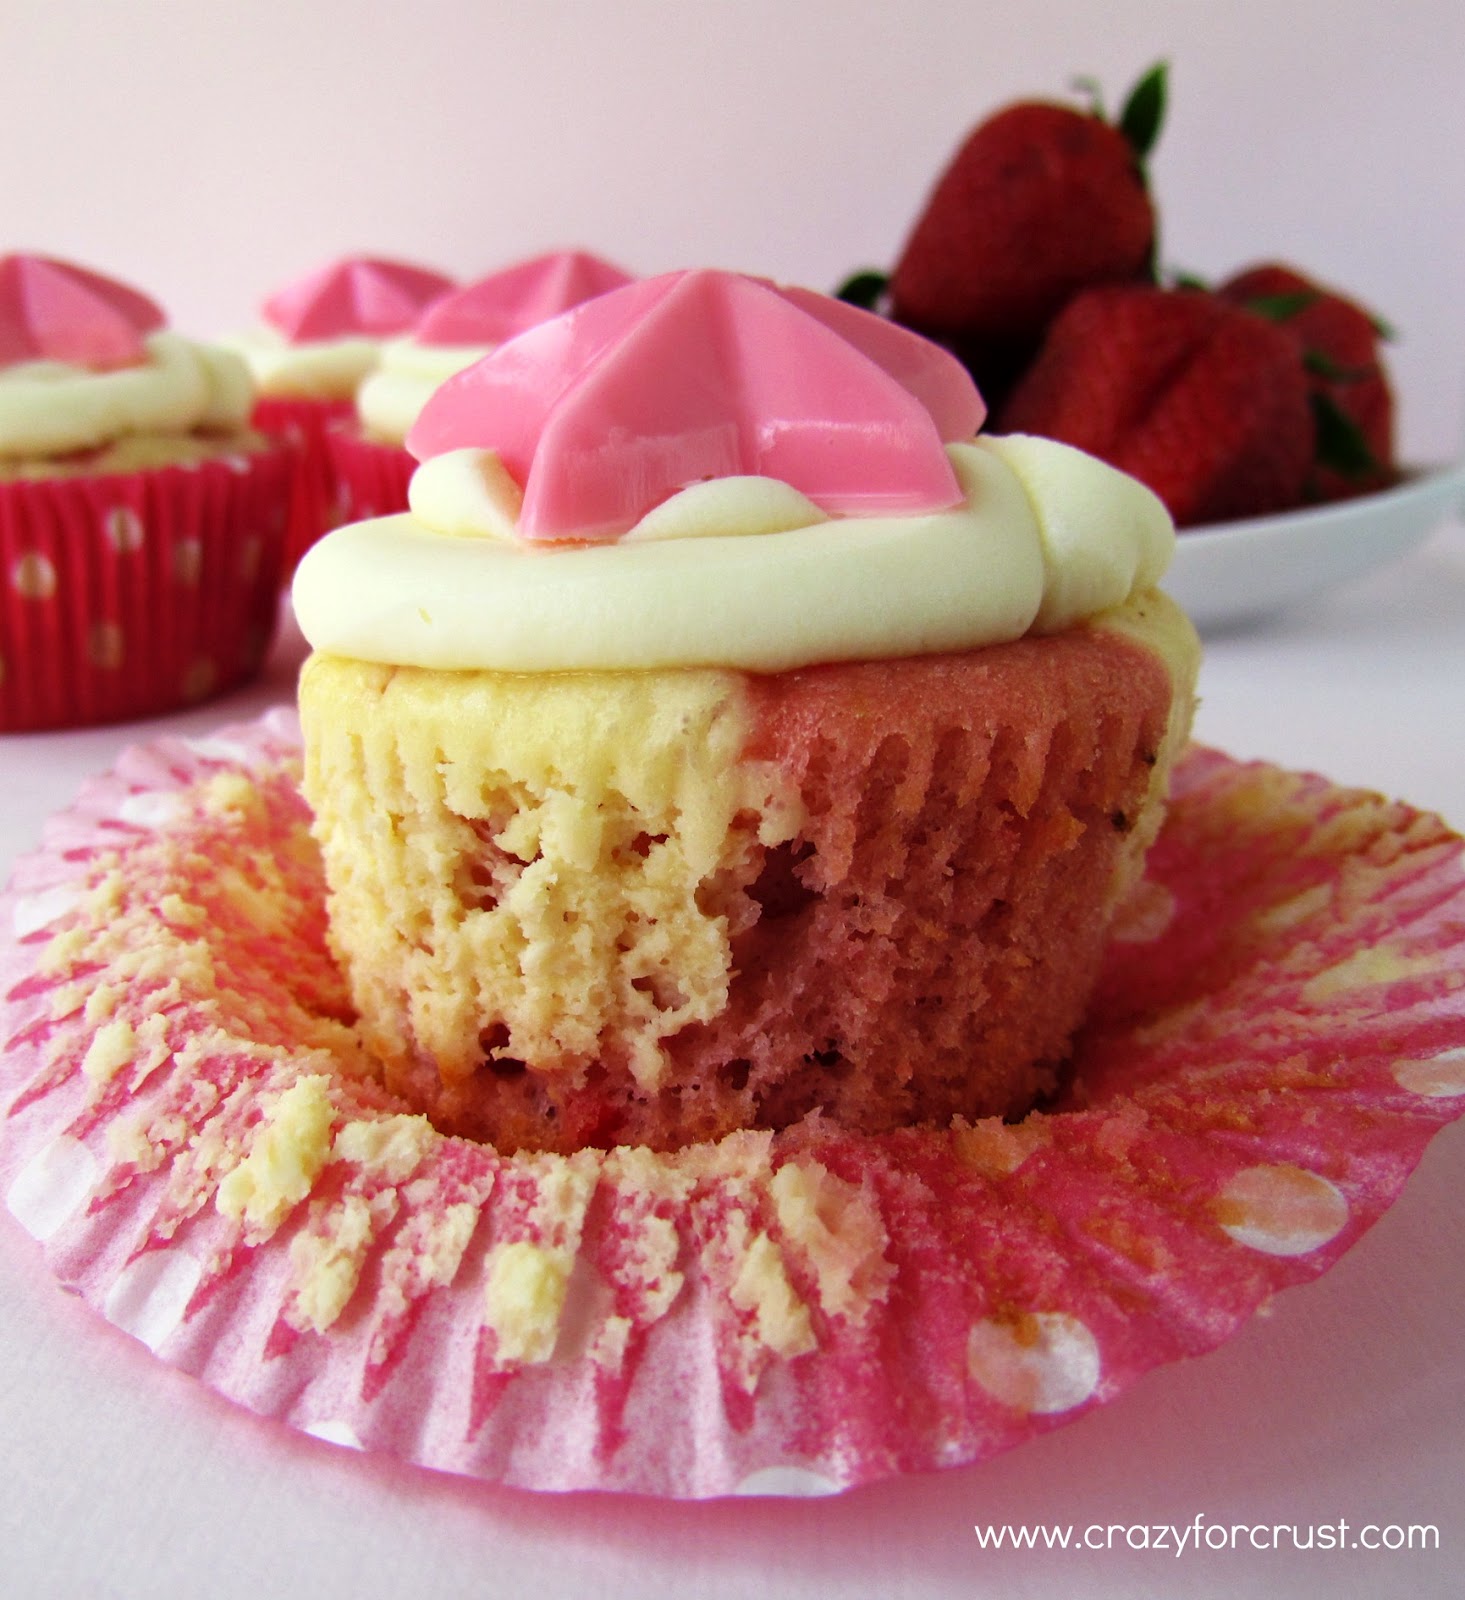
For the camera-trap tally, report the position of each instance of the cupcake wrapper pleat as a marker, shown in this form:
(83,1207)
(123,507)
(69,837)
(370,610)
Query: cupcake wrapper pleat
(302,427)
(371,478)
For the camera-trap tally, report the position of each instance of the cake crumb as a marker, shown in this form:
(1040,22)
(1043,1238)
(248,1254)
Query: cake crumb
(289,1149)
(326,1262)
(389,1148)
(995,1148)
(523,1299)
(229,791)
(761,1287)
(612,1338)
(442,1254)
(112,1047)
(837,1226)
(64,950)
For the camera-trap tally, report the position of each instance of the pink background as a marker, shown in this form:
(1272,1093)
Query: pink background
(210,151)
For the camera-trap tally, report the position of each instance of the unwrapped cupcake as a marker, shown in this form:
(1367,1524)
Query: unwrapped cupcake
(371,460)
(318,340)
(141,521)
(727,736)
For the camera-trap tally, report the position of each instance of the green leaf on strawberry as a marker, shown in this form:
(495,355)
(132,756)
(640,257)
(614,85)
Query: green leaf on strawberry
(1282,307)
(865,289)
(1337,343)
(1143,113)
(1341,446)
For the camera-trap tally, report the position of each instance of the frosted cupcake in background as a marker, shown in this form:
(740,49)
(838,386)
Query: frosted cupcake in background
(371,461)
(319,338)
(141,520)
(727,736)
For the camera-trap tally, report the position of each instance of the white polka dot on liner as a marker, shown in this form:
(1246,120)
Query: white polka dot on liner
(1436,1077)
(32,912)
(788,1483)
(1145,914)
(33,576)
(213,748)
(151,809)
(199,679)
(1281,1210)
(187,561)
(106,646)
(124,529)
(1045,1362)
(151,1294)
(337,1433)
(52,1186)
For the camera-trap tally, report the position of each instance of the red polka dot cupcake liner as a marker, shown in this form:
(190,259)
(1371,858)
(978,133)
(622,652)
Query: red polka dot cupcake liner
(302,427)
(371,478)
(133,594)
(190,1127)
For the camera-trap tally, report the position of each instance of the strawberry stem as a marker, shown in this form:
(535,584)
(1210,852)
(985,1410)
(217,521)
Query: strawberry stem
(1093,92)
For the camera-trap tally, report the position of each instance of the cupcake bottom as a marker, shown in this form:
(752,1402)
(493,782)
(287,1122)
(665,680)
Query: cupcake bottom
(128,593)
(652,908)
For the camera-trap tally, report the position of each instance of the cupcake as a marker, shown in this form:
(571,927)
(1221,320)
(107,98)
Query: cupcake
(141,521)
(371,461)
(728,737)
(320,337)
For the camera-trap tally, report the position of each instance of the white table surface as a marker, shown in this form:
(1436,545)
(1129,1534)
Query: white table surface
(122,1478)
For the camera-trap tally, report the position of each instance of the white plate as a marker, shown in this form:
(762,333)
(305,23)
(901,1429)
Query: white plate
(1231,573)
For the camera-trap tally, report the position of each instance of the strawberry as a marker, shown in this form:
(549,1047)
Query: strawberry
(1201,399)
(1339,346)
(1042,200)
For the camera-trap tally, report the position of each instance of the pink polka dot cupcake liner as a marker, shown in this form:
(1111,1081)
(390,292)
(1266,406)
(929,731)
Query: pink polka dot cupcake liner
(128,595)
(371,478)
(191,1129)
(302,427)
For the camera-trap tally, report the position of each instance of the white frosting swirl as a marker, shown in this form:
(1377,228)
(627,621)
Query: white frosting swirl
(51,408)
(1045,537)
(391,396)
(314,369)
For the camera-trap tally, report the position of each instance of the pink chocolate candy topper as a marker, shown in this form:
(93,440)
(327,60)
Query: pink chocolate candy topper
(53,311)
(361,296)
(602,413)
(507,303)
